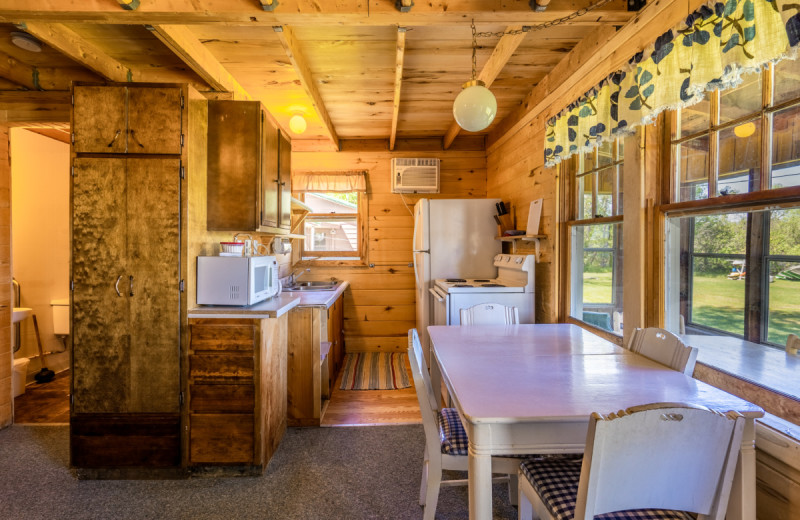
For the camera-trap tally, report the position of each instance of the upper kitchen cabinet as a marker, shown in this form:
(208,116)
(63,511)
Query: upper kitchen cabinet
(127,119)
(249,169)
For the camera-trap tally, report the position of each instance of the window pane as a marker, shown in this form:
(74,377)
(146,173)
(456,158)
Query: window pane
(692,167)
(587,161)
(741,101)
(739,158)
(787,81)
(784,306)
(784,234)
(606,188)
(584,185)
(605,153)
(596,276)
(725,233)
(717,295)
(332,202)
(339,234)
(786,148)
(695,118)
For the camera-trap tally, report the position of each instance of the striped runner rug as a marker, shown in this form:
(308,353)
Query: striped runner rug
(375,371)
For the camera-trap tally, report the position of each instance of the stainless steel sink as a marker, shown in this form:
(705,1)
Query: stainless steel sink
(312,286)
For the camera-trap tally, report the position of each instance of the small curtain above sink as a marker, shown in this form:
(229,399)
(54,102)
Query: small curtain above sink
(329,181)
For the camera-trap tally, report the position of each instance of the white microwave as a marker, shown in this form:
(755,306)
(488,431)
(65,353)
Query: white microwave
(236,280)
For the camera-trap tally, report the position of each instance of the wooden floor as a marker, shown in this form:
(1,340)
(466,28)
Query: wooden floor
(46,403)
(372,407)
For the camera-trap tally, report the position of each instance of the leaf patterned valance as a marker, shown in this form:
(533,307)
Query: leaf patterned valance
(710,50)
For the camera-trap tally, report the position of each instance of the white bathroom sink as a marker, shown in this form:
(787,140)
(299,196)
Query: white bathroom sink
(20,313)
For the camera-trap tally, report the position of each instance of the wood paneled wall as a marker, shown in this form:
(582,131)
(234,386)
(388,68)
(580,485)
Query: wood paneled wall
(516,174)
(380,304)
(6,397)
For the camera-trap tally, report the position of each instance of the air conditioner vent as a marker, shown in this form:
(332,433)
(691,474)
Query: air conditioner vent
(415,175)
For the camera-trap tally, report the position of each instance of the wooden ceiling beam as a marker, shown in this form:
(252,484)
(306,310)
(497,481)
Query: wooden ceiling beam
(18,73)
(302,12)
(69,43)
(398,81)
(35,106)
(180,40)
(52,133)
(500,55)
(603,51)
(292,48)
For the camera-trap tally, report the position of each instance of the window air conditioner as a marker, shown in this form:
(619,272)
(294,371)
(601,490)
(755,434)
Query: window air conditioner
(415,175)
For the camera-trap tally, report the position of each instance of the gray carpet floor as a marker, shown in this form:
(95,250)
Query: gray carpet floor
(325,473)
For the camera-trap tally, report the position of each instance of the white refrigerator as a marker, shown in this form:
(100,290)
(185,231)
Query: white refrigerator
(453,238)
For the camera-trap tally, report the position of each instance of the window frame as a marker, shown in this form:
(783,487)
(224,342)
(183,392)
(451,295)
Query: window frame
(572,172)
(335,258)
(756,203)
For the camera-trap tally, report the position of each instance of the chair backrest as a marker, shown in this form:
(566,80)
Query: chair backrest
(664,347)
(792,344)
(489,314)
(422,384)
(663,456)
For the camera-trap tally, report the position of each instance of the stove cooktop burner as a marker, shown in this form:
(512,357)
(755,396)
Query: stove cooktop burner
(492,285)
(463,285)
(455,280)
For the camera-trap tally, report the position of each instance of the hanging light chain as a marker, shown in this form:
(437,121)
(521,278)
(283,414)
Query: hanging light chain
(529,28)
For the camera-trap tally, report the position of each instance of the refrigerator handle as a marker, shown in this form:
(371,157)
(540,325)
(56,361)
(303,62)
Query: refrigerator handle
(416,273)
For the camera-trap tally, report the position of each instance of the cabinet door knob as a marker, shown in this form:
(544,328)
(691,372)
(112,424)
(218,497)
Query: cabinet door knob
(115,137)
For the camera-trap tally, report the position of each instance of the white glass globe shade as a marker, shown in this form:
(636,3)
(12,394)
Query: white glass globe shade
(297,124)
(475,107)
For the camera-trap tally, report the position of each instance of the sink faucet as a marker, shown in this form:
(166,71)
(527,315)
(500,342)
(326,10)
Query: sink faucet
(294,276)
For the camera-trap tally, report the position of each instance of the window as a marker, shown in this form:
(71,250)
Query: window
(596,239)
(332,228)
(335,225)
(733,227)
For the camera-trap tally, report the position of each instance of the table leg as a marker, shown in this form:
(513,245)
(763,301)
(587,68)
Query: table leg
(742,503)
(480,486)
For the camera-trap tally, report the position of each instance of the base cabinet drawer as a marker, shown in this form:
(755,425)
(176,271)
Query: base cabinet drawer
(221,438)
(221,367)
(222,398)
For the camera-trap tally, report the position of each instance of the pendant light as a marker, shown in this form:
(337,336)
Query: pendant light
(297,124)
(476,106)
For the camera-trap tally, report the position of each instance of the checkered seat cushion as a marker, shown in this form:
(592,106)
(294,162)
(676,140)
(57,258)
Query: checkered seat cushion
(555,479)
(451,432)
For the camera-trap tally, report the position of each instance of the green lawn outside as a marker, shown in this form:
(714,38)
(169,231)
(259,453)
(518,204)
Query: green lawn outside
(719,303)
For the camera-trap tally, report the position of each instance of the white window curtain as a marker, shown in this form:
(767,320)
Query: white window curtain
(330,181)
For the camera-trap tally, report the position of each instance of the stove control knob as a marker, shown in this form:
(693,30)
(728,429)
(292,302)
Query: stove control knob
(519,259)
(508,258)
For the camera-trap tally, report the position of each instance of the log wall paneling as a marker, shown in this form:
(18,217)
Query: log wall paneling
(6,396)
(379,305)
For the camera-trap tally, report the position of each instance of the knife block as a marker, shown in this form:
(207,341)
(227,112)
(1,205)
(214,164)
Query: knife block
(506,223)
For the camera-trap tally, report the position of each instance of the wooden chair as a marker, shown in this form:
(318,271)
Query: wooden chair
(489,314)
(665,456)
(445,439)
(792,344)
(664,347)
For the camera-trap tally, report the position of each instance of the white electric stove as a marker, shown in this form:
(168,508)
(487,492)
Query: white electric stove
(513,286)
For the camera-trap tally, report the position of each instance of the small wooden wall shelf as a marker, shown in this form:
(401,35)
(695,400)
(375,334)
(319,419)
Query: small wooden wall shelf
(524,238)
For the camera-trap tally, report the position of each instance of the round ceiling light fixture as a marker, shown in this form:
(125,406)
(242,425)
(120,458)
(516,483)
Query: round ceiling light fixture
(25,41)
(297,124)
(475,107)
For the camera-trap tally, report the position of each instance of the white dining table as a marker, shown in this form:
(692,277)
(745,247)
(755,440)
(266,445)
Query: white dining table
(529,389)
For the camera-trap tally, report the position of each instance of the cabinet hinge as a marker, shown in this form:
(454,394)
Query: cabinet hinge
(183,172)
(181,140)
(181,100)
(182,286)
(73,99)
(72,137)
(180,398)
(72,171)
(72,285)
(71,399)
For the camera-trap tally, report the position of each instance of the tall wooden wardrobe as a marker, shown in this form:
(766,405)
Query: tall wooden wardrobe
(133,146)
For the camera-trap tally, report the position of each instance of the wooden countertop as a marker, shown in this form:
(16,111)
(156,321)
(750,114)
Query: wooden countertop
(271,308)
(320,298)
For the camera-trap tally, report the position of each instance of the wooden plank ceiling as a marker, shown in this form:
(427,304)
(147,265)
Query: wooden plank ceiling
(355,69)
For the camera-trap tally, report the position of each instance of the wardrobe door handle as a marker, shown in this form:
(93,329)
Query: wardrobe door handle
(115,138)
(131,285)
(116,285)
(133,135)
